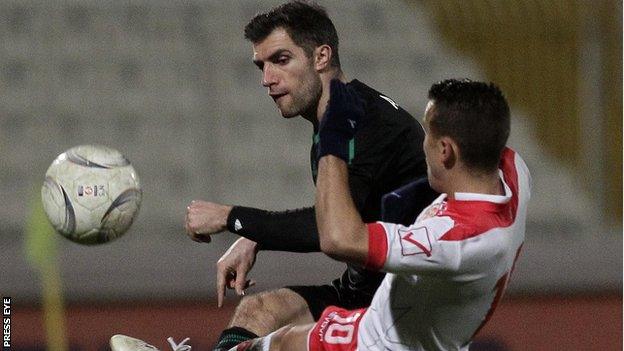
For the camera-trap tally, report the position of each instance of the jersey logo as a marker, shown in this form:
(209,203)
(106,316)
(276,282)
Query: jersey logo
(416,241)
(432,211)
(394,104)
(237,225)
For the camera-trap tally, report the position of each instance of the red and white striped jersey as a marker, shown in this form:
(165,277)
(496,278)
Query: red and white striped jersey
(448,270)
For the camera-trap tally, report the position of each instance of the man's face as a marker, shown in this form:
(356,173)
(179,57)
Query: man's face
(288,73)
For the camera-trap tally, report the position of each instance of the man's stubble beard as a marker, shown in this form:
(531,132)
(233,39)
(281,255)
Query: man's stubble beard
(305,103)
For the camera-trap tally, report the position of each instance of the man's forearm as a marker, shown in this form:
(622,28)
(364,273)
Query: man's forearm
(342,233)
(292,230)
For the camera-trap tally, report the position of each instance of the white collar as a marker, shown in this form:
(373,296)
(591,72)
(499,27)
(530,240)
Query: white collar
(498,199)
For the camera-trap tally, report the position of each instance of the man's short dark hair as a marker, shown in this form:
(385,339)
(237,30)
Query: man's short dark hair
(307,24)
(476,116)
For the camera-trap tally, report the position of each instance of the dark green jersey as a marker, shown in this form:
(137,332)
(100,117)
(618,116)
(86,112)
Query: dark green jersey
(385,154)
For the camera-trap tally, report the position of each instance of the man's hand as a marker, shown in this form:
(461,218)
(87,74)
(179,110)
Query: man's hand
(342,118)
(205,218)
(233,266)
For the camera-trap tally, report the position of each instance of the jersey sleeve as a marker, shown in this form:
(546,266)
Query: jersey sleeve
(416,249)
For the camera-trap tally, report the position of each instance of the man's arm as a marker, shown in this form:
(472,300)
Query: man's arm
(292,230)
(377,246)
(342,233)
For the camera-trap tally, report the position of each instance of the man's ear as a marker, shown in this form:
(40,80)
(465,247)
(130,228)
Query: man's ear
(322,57)
(450,152)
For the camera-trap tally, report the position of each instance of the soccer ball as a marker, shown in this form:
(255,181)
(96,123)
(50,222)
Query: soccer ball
(91,194)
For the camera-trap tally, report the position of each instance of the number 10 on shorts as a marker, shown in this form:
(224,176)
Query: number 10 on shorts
(341,332)
(336,330)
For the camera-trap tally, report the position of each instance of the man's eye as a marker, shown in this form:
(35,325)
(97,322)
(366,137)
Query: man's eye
(283,60)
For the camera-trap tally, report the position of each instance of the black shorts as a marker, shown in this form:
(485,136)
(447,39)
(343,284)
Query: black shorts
(343,292)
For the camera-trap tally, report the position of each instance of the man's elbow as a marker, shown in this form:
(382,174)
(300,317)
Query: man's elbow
(341,248)
(333,246)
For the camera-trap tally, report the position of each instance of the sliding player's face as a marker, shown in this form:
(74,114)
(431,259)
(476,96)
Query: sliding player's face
(288,73)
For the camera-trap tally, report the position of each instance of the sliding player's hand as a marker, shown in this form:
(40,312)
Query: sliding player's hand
(205,218)
(341,120)
(233,266)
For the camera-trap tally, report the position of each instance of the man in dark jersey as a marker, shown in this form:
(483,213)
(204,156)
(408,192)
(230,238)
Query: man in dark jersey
(296,48)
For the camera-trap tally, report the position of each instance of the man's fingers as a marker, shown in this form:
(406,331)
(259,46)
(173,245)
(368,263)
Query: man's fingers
(220,288)
(241,282)
(231,284)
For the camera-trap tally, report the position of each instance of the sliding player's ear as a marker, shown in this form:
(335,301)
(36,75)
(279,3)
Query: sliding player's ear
(449,152)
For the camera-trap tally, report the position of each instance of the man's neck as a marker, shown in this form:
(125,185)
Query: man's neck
(315,115)
(326,79)
(481,183)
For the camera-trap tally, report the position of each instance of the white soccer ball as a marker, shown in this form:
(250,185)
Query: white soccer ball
(91,194)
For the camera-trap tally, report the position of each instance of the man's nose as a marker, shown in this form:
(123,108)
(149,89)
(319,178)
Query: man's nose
(268,76)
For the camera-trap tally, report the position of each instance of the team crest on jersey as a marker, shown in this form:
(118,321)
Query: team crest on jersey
(432,211)
(415,241)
